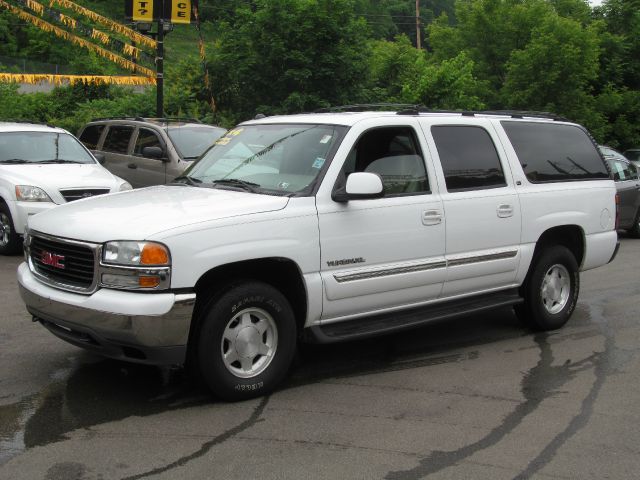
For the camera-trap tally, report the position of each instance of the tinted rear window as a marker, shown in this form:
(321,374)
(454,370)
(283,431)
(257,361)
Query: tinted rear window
(117,140)
(469,158)
(555,152)
(91,135)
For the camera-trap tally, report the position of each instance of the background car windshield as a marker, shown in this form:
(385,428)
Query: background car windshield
(191,142)
(282,158)
(42,147)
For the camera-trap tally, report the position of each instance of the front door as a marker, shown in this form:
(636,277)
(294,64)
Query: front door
(385,252)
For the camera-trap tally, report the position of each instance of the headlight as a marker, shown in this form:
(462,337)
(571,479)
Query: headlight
(124,186)
(135,253)
(135,265)
(29,193)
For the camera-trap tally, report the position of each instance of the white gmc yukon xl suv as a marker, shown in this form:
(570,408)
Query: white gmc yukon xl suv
(326,227)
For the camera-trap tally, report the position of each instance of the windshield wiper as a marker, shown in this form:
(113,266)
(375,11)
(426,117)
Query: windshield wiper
(194,182)
(58,160)
(236,182)
(15,161)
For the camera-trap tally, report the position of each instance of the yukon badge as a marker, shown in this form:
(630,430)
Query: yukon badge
(53,260)
(346,261)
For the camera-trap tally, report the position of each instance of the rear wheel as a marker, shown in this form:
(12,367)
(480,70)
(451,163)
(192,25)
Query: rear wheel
(551,289)
(247,341)
(9,240)
(635,230)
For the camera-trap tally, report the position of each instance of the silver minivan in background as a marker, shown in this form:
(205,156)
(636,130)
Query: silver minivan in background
(148,151)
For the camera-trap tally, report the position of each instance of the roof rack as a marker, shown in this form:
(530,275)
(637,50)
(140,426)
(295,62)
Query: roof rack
(151,119)
(362,107)
(417,109)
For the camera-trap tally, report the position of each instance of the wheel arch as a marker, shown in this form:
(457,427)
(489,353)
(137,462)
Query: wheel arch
(569,236)
(281,273)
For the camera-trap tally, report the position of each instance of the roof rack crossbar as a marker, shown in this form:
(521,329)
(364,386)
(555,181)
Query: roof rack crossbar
(152,119)
(417,109)
(360,107)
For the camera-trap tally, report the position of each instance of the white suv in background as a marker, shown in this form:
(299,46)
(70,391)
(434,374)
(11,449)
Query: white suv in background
(40,167)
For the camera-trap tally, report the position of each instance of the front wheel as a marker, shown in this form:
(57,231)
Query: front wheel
(9,240)
(551,289)
(247,341)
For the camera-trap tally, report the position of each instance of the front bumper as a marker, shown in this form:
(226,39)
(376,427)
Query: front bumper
(151,328)
(24,210)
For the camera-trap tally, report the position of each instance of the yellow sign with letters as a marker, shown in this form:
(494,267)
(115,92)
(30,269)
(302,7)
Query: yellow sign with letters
(142,11)
(181,11)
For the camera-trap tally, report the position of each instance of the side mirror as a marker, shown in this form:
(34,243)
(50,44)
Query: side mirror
(154,152)
(360,186)
(100,157)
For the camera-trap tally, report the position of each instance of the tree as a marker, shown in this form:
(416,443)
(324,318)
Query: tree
(290,56)
(554,70)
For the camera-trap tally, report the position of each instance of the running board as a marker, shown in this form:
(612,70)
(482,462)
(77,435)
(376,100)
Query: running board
(406,319)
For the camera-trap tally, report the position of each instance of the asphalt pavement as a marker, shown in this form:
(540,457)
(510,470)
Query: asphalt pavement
(474,398)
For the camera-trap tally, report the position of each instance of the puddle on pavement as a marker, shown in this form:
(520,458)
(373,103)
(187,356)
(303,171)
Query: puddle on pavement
(96,392)
(92,394)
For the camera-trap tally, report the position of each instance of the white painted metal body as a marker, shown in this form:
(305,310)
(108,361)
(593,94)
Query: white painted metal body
(363,256)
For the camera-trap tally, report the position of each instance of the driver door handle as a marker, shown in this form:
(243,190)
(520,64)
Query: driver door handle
(505,210)
(431,217)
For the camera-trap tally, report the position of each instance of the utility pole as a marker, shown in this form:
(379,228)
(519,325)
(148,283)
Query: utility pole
(418,42)
(160,69)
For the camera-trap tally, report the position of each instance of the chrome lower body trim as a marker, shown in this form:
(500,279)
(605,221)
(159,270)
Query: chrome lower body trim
(423,266)
(481,258)
(419,267)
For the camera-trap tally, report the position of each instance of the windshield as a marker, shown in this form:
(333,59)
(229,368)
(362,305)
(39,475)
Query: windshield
(278,159)
(192,141)
(611,153)
(42,147)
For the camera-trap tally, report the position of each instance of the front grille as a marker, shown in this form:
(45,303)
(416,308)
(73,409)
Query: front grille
(78,194)
(75,262)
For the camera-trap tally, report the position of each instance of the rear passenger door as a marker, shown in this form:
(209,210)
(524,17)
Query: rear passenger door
(116,151)
(481,209)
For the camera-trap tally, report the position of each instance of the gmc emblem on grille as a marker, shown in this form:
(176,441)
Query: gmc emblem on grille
(53,260)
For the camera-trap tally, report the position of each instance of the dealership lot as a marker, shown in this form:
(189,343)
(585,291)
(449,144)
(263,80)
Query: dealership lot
(477,397)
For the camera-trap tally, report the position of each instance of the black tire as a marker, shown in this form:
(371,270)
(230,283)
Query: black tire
(635,230)
(241,313)
(554,266)
(10,242)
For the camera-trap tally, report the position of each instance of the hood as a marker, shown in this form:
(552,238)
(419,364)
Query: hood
(53,177)
(139,214)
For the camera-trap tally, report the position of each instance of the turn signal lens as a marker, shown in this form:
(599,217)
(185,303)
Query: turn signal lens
(149,282)
(154,254)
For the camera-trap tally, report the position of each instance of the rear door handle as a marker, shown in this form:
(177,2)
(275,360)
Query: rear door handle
(133,166)
(431,217)
(505,210)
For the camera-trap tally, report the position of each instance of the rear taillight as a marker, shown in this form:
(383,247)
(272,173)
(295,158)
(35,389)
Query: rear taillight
(617,211)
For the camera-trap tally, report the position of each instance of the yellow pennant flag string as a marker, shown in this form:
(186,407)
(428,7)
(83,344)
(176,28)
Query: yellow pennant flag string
(33,79)
(47,27)
(35,6)
(113,26)
(94,33)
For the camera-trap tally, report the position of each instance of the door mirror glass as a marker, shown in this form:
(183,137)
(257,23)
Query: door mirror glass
(153,152)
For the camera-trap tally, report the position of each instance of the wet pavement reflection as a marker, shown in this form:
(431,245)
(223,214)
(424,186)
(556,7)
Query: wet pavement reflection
(96,391)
